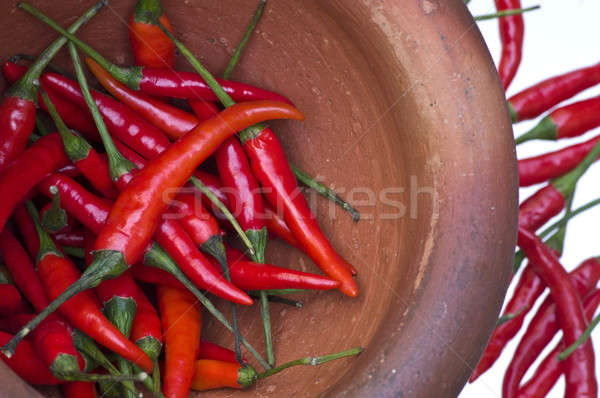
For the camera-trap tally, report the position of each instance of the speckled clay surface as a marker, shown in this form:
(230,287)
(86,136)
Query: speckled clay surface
(395,93)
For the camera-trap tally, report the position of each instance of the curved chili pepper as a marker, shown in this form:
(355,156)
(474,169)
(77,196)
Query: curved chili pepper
(173,121)
(17,110)
(579,366)
(18,178)
(208,350)
(569,121)
(149,45)
(535,100)
(21,269)
(78,389)
(544,326)
(92,166)
(512,30)
(27,364)
(550,369)
(71,113)
(182,322)
(27,230)
(122,122)
(553,164)
(57,273)
(277,226)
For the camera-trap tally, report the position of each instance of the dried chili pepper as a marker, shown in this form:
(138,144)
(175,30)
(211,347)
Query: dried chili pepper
(512,30)
(149,45)
(579,366)
(182,323)
(17,110)
(535,100)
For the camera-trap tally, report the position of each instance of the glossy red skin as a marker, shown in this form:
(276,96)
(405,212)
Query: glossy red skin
(135,214)
(208,350)
(270,166)
(27,230)
(543,327)
(199,224)
(83,312)
(575,119)
(75,238)
(78,389)
(18,178)
(21,269)
(123,286)
(95,169)
(17,120)
(10,299)
(204,110)
(277,226)
(529,288)
(540,207)
(27,363)
(241,187)
(165,82)
(551,165)
(149,45)
(512,29)
(182,323)
(550,369)
(146,322)
(69,112)
(580,365)
(93,211)
(122,123)
(535,100)
(173,121)
(69,170)
(54,337)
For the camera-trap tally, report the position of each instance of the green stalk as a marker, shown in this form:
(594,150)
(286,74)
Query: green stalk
(505,13)
(566,184)
(324,191)
(582,339)
(25,88)
(16,58)
(546,129)
(277,299)
(77,252)
(55,218)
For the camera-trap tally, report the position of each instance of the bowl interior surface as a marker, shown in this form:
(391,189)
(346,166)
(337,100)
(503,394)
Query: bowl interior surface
(404,117)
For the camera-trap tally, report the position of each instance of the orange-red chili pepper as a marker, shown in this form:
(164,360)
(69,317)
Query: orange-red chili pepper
(182,322)
(149,45)
(211,374)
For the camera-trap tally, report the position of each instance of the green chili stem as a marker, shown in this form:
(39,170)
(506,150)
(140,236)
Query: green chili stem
(238,51)
(312,361)
(77,252)
(55,218)
(505,13)
(586,335)
(15,58)
(566,183)
(507,317)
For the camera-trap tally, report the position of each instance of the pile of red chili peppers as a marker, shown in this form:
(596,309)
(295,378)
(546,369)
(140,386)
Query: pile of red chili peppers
(573,297)
(113,222)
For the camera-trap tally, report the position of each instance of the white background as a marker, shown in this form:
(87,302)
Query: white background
(559,37)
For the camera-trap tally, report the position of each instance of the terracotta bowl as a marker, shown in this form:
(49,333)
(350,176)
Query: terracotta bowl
(406,117)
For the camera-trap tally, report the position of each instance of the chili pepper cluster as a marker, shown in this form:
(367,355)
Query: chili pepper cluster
(112,230)
(573,297)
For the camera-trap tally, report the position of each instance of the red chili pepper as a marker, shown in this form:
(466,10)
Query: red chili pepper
(204,110)
(544,326)
(535,100)
(17,110)
(18,178)
(569,121)
(149,45)
(22,271)
(208,350)
(79,389)
(512,30)
(57,273)
(579,366)
(146,331)
(10,298)
(553,164)
(173,121)
(75,238)
(27,230)
(541,207)
(27,364)
(71,113)
(277,226)
(162,82)
(92,165)
(211,374)
(122,122)
(182,322)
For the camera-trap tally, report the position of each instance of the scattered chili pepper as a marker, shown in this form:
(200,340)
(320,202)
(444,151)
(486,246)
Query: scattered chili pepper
(544,326)
(569,121)
(27,364)
(37,161)
(535,100)
(512,30)
(149,45)
(579,366)
(17,110)
(271,168)
(181,321)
